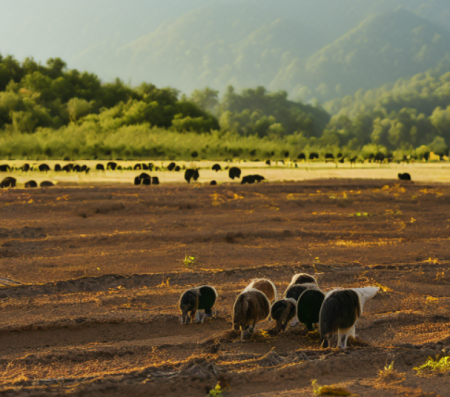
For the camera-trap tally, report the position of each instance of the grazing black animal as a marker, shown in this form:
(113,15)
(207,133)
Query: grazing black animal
(31,184)
(144,175)
(68,167)
(119,168)
(313,156)
(196,299)
(83,168)
(213,183)
(177,168)
(283,311)
(155,180)
(308,307)
(252,179)
(137,167)
(144,166)
(44,168)
(25,167)
(150,166)
(234,172)
(57,168)
(100,167)
(301,156)
(146,181)
(191,174)
(329,157)
(340,312)
(404,177)
(251,307)
(171,166)
(46,184)
(8,182)
(296,290)
(268,162)
(111,166)
(5,168)
(137,181)
(216,167)
(76,168)
(87,170)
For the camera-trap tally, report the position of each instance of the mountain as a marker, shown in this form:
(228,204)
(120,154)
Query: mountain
(382,49)
(311,48)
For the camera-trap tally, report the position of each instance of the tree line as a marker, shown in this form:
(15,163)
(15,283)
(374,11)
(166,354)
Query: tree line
(51,111)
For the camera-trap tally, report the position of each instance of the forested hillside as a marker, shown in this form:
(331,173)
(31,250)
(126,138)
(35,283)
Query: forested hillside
(308,48)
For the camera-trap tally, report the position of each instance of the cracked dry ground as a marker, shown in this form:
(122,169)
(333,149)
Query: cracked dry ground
(103,269)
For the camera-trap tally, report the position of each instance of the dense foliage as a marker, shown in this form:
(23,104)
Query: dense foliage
(50,111)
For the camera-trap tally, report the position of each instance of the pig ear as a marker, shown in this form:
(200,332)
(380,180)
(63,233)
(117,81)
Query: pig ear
(365,294)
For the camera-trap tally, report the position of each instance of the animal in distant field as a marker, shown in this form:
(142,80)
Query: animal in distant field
(266,286)
(111,166)
(213,183)
(250,179)
(177,168)
(25,167)
(8,182)
(31,184)
(100,167)
(76,168)
(57,168)
(171,166)
(46,184)
(302,278)
(250,307)
(404,177)
(68,167)
(308,306)
(267,162)
(340,312)
(137,167)
(144,175)
(301,156)
(282,312)
(155,180)
(234,172)
(83,168)
(137,181)
(44,167)
(216,167)
(197,299)
(5,168)
(146,181)
(191,174)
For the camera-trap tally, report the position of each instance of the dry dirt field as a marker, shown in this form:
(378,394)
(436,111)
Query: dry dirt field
(102,270)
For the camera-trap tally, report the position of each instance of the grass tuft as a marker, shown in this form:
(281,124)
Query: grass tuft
(434,366)
(329,390)
(389,374)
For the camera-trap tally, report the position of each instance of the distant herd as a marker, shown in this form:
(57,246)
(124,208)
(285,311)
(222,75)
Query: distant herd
(334,312)
(190,174)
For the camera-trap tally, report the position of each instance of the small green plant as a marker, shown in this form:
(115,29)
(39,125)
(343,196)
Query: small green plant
(189,261)
(217,391)
(389,374)
(434,366)
(362,214)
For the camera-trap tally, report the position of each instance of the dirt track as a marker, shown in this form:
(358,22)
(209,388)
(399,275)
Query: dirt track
(103,269)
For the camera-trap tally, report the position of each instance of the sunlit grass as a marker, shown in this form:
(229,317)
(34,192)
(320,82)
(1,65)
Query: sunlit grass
(434,366)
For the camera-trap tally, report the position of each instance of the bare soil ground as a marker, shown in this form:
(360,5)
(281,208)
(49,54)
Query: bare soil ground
(103,270)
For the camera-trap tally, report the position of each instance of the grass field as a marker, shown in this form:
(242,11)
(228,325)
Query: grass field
(423,172)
